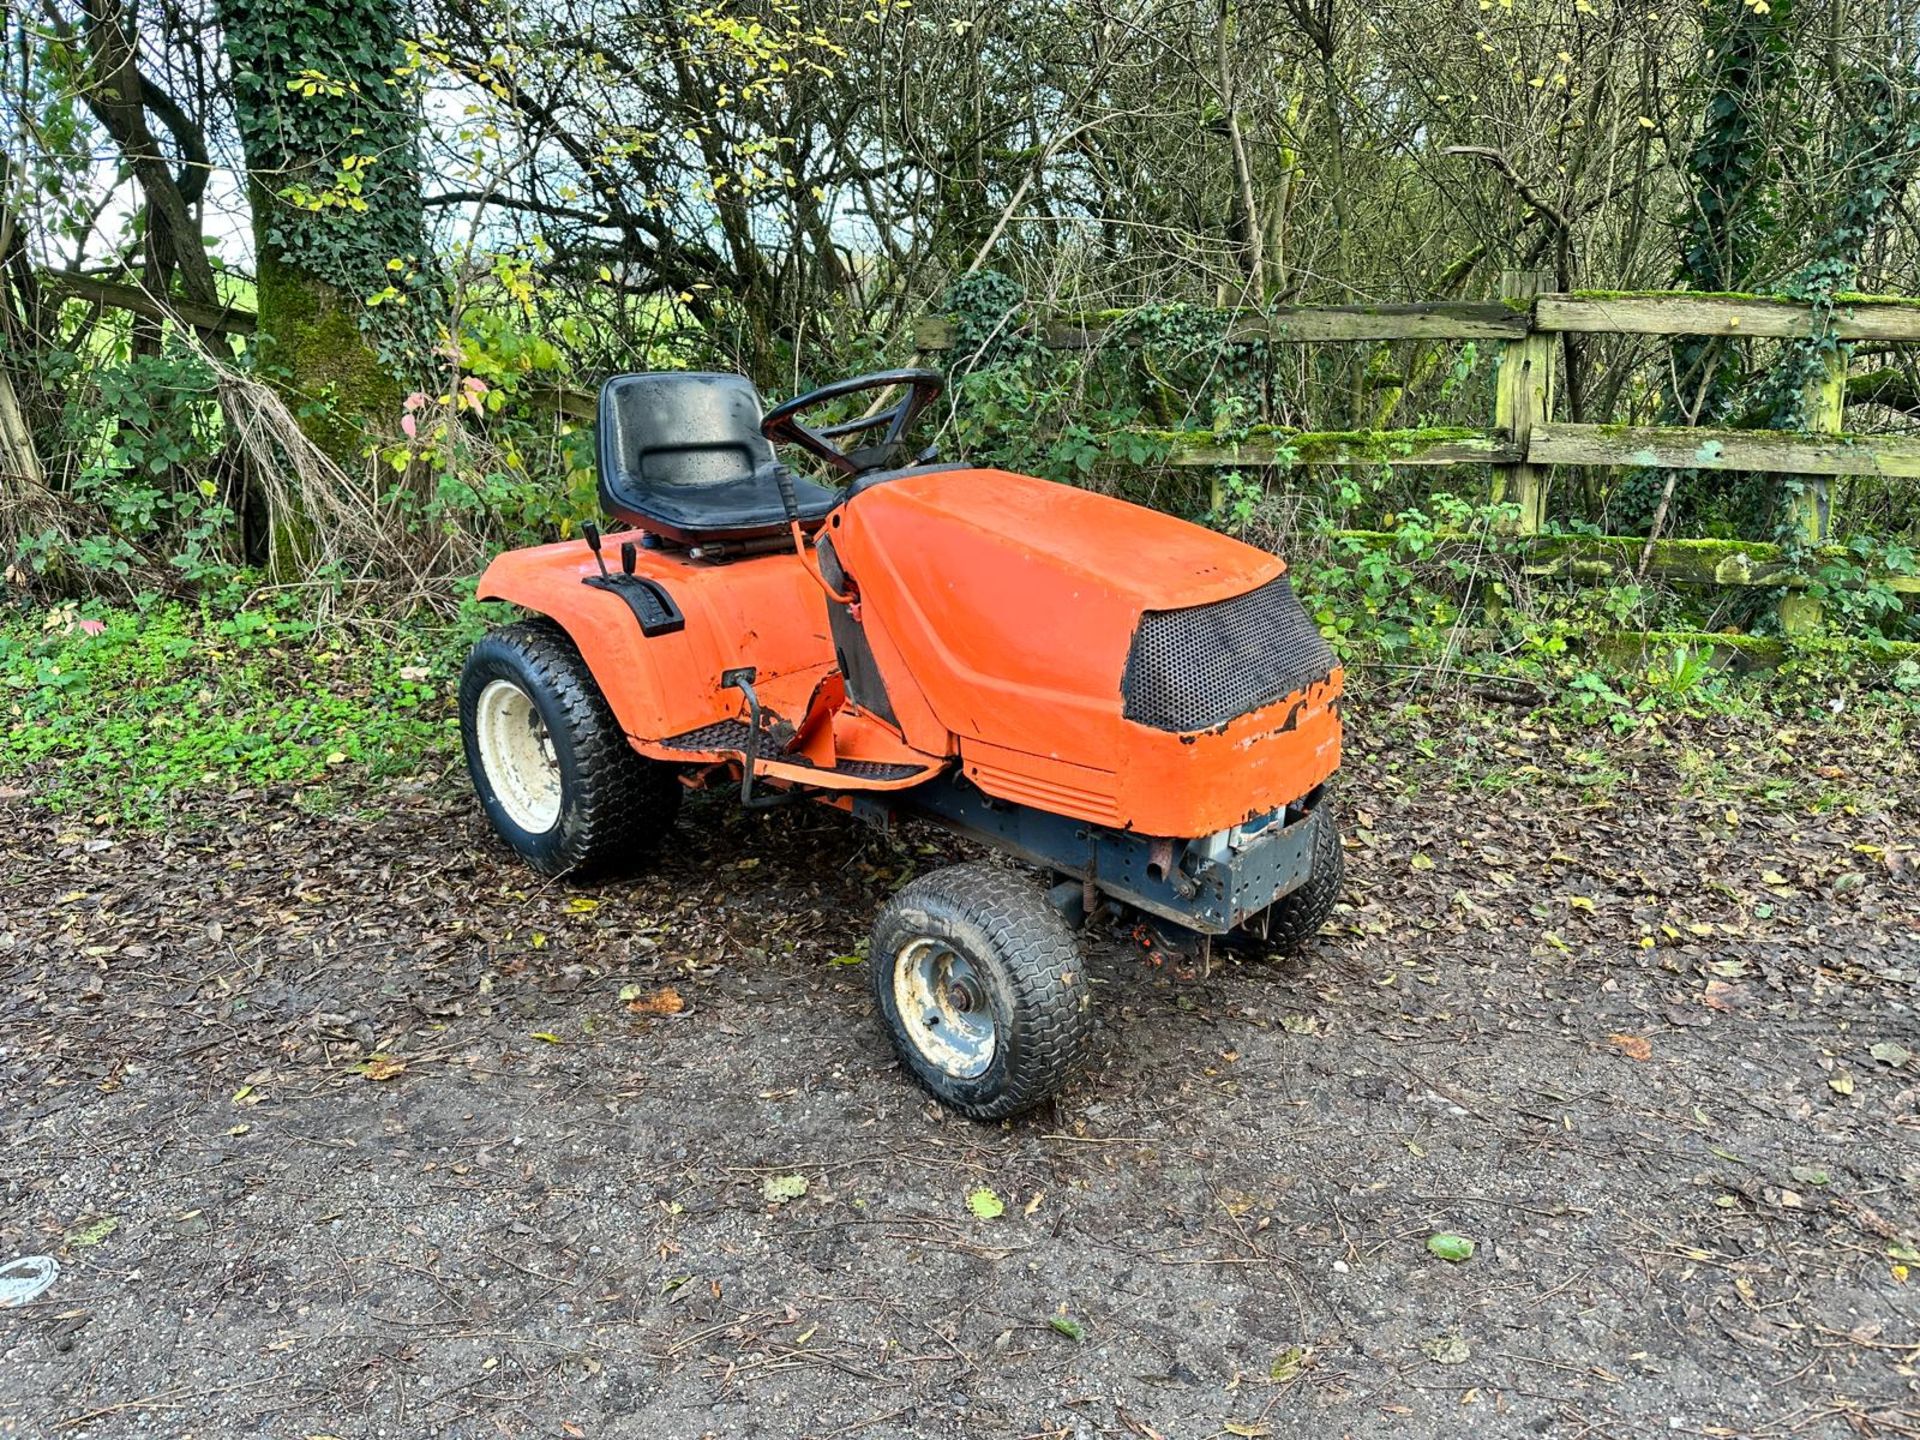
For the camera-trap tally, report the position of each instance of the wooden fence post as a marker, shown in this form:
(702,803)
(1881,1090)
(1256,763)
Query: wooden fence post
(1522,398)
(1826,411)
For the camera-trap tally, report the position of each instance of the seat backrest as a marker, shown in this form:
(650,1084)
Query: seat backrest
(670,435)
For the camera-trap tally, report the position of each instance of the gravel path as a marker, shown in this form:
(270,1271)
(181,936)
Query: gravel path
(342,1124)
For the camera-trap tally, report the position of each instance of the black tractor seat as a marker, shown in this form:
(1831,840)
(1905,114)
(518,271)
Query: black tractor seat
(681,455)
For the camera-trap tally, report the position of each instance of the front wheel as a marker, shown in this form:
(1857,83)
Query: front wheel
(982,988)
(1296,917)
(550,764)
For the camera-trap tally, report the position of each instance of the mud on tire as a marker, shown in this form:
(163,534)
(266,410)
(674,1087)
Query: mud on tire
(1006,1026)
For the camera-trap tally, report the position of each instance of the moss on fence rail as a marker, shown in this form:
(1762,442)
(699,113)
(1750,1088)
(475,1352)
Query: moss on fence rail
(1267,445)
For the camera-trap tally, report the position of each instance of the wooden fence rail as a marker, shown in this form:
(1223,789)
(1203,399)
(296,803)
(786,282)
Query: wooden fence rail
(1524,441)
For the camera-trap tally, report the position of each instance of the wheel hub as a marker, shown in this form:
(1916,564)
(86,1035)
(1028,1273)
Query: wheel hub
(943,1007)
(518,755)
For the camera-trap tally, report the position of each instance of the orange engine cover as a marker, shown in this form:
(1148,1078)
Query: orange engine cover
(1002,610)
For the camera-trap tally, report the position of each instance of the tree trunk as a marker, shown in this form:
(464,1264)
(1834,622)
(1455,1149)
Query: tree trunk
(334,181)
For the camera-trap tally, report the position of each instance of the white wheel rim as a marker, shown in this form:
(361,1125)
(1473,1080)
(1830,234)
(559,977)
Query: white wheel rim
(943,1007)
(517,753)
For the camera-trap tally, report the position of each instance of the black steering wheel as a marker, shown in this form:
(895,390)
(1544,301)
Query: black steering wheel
(782,424)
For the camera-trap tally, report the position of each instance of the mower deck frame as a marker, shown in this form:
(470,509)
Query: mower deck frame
(1209,885)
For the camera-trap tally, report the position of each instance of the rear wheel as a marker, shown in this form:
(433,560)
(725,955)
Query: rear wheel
(982,988)
(552,768)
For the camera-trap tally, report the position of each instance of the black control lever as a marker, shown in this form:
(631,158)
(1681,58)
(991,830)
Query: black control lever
(592,532)
(783,477)
(647,598)
(741,678)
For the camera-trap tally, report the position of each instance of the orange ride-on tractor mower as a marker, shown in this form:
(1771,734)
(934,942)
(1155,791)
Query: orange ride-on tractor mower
(1135,707)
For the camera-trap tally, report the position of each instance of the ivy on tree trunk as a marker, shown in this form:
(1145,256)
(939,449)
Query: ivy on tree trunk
(328,127)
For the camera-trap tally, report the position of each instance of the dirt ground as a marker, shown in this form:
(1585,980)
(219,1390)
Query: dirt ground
(340,1123)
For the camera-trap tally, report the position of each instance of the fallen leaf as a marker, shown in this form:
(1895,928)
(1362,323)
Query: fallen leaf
(1446,1350)
(1454,1248)
(1891,1052)
(986,1205)
(779,1189)
(382,1067)
(581,905)
(1811,1175)
(548,1036)
(844,960)
(1067,1326)
(1720,996)
(1841,1083)
(1298,1024)
(1254,1428)
(664,1001)
(1286,1365)
(94,1231)
(1634,1047)
(1421,862)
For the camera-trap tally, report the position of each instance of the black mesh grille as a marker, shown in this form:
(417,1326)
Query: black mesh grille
(1198,668)
(725,735)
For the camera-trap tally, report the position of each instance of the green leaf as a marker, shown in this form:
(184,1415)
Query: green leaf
(94,1231)
(986,1205)
(779,1189)
(1454,1248)
(1811,1175)
(1067,1326)
(1287,1363)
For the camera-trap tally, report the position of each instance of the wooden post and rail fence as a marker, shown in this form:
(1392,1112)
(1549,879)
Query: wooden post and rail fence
(1525,441)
